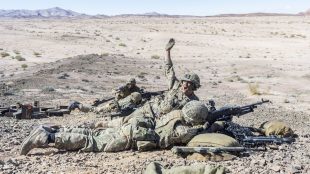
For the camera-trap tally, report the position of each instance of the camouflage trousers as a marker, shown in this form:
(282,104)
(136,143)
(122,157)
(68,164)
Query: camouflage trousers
(89,140)
(142,117)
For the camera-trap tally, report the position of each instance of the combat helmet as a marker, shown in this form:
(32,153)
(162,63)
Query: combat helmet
(195,112)
(136,97)
(131,81)
(193,78)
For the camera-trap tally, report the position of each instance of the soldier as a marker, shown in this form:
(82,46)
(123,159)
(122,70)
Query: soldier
(179,93)
(177,127)
(126,97)
(127,89)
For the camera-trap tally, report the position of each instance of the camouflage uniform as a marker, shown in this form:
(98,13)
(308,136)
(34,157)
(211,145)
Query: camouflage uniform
(125,91)
(140,132)
(143,133)
(131,101)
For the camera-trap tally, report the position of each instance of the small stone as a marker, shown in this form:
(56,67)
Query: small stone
(262,162)
(275,168)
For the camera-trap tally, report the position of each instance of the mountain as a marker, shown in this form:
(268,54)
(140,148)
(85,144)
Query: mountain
(306,13)
(254,14)
(45,13)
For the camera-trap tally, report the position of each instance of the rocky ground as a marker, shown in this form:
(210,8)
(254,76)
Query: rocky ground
(239,61)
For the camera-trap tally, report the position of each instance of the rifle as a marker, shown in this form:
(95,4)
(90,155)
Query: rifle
(98,101)
(148,95)
(7,110)
(226,113)
(262,140)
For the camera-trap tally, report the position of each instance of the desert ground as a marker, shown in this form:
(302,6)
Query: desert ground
(239,60)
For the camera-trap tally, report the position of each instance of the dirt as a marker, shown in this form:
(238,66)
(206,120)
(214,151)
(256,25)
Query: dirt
(74,68)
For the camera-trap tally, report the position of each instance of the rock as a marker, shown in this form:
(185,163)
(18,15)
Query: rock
(275,168)
(262,162)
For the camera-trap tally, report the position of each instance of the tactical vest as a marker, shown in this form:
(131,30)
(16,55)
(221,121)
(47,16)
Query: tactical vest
(165,127)
(174,99)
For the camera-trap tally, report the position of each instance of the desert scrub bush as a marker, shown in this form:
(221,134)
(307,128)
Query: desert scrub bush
(24,66)
(19,58)
(104,54)
(37,54)
(107,40)
(254,89)
(16,52)
(117,38)
(141,75)
(155,56)
(122,45)
(48,89)
(4,54)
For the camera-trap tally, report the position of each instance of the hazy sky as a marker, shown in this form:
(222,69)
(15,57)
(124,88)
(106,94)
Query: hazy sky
(189,7)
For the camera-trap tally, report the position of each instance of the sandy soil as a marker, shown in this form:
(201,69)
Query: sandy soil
(239,60)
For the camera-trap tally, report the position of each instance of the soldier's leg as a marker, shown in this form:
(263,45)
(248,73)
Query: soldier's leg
(107,107)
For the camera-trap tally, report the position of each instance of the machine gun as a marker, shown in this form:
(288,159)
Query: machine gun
(29,111)
(226,113)
(246,137)
(98,101)
(148,95)
(250,143)
(262,140)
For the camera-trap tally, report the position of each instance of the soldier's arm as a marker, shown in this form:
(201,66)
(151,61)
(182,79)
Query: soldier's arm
(169,70)
(183,134)
(119,92)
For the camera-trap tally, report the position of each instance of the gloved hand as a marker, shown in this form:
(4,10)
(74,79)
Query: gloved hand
(170,44)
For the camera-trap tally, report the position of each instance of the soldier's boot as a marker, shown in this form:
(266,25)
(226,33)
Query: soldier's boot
(38,138)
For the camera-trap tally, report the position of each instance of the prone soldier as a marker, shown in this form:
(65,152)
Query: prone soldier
(176,127)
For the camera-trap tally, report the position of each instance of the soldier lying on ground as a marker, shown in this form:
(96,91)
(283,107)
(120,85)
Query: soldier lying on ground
(126,90)
(179,92)
(127,96)
(177,127)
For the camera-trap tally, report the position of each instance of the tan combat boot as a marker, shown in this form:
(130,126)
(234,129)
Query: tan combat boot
(37,138)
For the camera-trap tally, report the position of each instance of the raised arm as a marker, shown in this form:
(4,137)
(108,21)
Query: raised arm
(169,71)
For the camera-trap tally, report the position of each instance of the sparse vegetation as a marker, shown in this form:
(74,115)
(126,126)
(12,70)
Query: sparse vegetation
(155,56)
(117,38)
(254,89)
(19,58)
(37,54)
(104,54)
(48,89)
(5,54)
(24,66)
(16,52)
(142,75)
(122,45)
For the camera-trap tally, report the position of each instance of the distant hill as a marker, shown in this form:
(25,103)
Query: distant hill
(57,12)
(254,14)
(45,13)
(154,14)
(306,13)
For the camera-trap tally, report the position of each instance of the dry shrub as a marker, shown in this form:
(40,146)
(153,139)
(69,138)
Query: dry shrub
(155,57)
(4,54)
(254,89)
